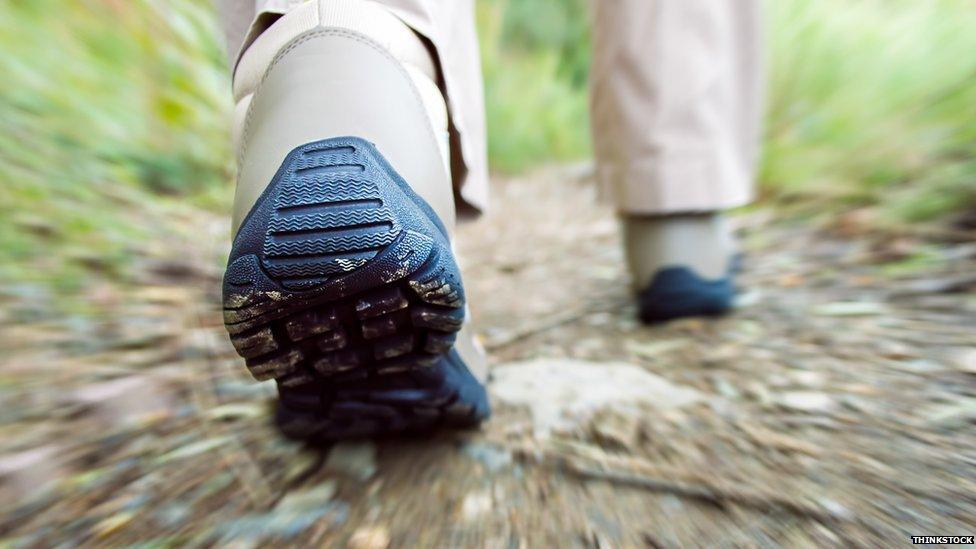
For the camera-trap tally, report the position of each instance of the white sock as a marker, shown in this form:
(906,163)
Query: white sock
(700,242)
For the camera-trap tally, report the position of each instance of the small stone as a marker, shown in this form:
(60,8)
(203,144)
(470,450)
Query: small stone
(726,389)
(759,393)
(920,366)
(475,506)
(963,359)
(749,298)
(110,525)
(807,401)
(836,509)
(492,457)
(957,414)
(726,354)
(173,514)
(808,378)
(850,308)
(353,459)
(370,537)
(237,410)
(125,400)
(654,349)
(197,448)
(26,473)
(895,350)
(780,441)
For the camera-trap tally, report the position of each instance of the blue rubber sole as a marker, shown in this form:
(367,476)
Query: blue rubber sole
(341,286)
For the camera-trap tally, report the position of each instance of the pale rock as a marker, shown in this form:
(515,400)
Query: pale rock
(564,394)
(312,498)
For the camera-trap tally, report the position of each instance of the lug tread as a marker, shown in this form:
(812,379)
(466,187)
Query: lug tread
(343,290)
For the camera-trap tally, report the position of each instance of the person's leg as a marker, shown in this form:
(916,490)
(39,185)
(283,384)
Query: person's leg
(341,283)
(676,93)
(448,27)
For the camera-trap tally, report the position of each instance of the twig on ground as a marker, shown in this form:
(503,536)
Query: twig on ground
(592,463)
(504,340)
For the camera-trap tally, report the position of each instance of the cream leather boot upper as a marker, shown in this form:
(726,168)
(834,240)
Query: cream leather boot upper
(333,68)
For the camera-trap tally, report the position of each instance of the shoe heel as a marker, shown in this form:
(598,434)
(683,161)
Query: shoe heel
(339,273)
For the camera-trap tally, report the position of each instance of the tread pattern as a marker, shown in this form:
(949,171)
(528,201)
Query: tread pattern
(342,290)
(363,330)
(327,206)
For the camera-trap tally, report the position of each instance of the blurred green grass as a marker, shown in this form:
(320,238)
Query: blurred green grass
(113,111)
(535,57)
(873,102)
(870,102)
(109,111)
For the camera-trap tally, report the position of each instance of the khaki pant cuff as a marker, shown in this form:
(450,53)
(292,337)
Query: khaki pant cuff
(656,187)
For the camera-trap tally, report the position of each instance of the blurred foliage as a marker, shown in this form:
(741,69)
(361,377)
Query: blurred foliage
(113,111)
(107,107)
(874,102)
(557,26)
(535,56)
(870,102)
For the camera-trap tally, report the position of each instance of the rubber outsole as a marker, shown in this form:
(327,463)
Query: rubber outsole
(342,287)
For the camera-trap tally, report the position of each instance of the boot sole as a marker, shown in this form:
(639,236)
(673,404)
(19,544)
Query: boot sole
(343,289)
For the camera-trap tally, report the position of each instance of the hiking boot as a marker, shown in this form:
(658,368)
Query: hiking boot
(681,265)
(678,292)
(341,283)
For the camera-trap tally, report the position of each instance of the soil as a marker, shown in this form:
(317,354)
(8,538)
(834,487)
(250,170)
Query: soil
(836,406)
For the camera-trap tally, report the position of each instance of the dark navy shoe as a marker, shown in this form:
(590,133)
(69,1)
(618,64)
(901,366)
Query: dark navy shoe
(341,286)
(677,292)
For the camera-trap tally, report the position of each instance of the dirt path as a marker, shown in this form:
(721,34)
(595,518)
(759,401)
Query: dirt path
(836,406)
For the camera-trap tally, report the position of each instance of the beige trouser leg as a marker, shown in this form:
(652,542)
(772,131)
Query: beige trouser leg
(676,94)
(449,26)
(675,102)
